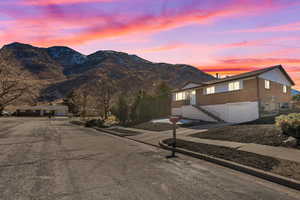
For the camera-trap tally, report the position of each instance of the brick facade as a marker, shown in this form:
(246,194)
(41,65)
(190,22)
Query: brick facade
(274,99)
(178,104)
(275,92)
(248,93)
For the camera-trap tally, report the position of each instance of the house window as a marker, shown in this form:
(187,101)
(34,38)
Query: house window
(234,86)
(267,84)
(210,90)
(284,89)
(179,96)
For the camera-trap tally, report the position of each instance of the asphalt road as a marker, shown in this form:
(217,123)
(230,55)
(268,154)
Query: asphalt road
(42,159)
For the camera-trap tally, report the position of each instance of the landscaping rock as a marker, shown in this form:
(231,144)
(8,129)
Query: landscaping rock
(291,142)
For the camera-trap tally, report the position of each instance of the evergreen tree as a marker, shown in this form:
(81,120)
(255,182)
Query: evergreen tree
(146,108)
(70,101)
(134,111)
(162,101)
(296,97)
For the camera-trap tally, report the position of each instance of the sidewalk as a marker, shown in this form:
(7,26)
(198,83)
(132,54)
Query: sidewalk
(153,138)
(266,150)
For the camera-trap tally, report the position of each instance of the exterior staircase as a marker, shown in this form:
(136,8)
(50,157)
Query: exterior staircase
(209,113)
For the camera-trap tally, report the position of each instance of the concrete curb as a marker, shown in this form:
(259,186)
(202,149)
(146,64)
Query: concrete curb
(291,183)
(120,135)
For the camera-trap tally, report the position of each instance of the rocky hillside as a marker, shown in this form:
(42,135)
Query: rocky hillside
(57,70)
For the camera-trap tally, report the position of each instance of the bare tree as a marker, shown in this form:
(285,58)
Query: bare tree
(12,85)
(104,90)
(84,103)
(93,98)
(78,101)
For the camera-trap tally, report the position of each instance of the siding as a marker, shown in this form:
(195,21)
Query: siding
(191,112)
(277,76)
(235,112)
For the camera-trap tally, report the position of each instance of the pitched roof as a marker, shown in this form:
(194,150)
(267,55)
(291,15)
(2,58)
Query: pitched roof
(185,84)
(192,82)
(250,74)
(243,75)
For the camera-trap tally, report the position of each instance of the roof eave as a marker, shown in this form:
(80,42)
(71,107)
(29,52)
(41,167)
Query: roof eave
(287,75)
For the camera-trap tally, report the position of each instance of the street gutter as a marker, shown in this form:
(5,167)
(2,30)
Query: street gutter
(120,135)
(288,182)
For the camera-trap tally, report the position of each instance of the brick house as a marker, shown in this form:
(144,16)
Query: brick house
(240,98)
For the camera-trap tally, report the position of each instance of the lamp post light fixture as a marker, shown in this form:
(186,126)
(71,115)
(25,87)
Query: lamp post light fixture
(174,119)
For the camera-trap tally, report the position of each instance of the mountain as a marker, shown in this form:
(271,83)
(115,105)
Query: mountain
(68,58)
(57,70)
(32,59)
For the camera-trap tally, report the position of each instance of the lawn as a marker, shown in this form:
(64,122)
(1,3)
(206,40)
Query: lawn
(278,166)
(266,134)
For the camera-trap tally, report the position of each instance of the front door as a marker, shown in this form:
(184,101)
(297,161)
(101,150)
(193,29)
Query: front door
(193,97)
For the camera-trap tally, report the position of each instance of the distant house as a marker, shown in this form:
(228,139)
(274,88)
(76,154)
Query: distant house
(240,98)
(295,92)
(39,111)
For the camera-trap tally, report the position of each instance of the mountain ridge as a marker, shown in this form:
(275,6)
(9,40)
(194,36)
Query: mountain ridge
(66,69)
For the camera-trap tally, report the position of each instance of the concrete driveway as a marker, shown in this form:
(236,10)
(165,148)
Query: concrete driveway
(51,159)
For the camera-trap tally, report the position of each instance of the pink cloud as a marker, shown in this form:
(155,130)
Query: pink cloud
(59,2)
(260,61)
(113,28)
(177,45)
(278,28)
(166,47)
(60,27)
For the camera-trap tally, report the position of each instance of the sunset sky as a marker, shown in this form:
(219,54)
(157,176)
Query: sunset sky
(225,36)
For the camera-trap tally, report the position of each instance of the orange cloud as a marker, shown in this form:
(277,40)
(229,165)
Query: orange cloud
(260,61)
(240,65)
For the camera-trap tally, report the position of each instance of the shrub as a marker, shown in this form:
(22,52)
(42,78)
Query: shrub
(289,124)
(94,122)
(121,110)
(79,123)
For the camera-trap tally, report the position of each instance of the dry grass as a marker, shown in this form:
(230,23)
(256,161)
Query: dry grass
(259,134)
(154,126)
(242,157)
(278,166)
(288,169)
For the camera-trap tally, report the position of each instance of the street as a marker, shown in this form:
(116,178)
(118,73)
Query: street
(52,159)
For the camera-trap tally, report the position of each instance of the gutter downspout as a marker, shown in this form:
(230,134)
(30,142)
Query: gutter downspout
(258,97)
